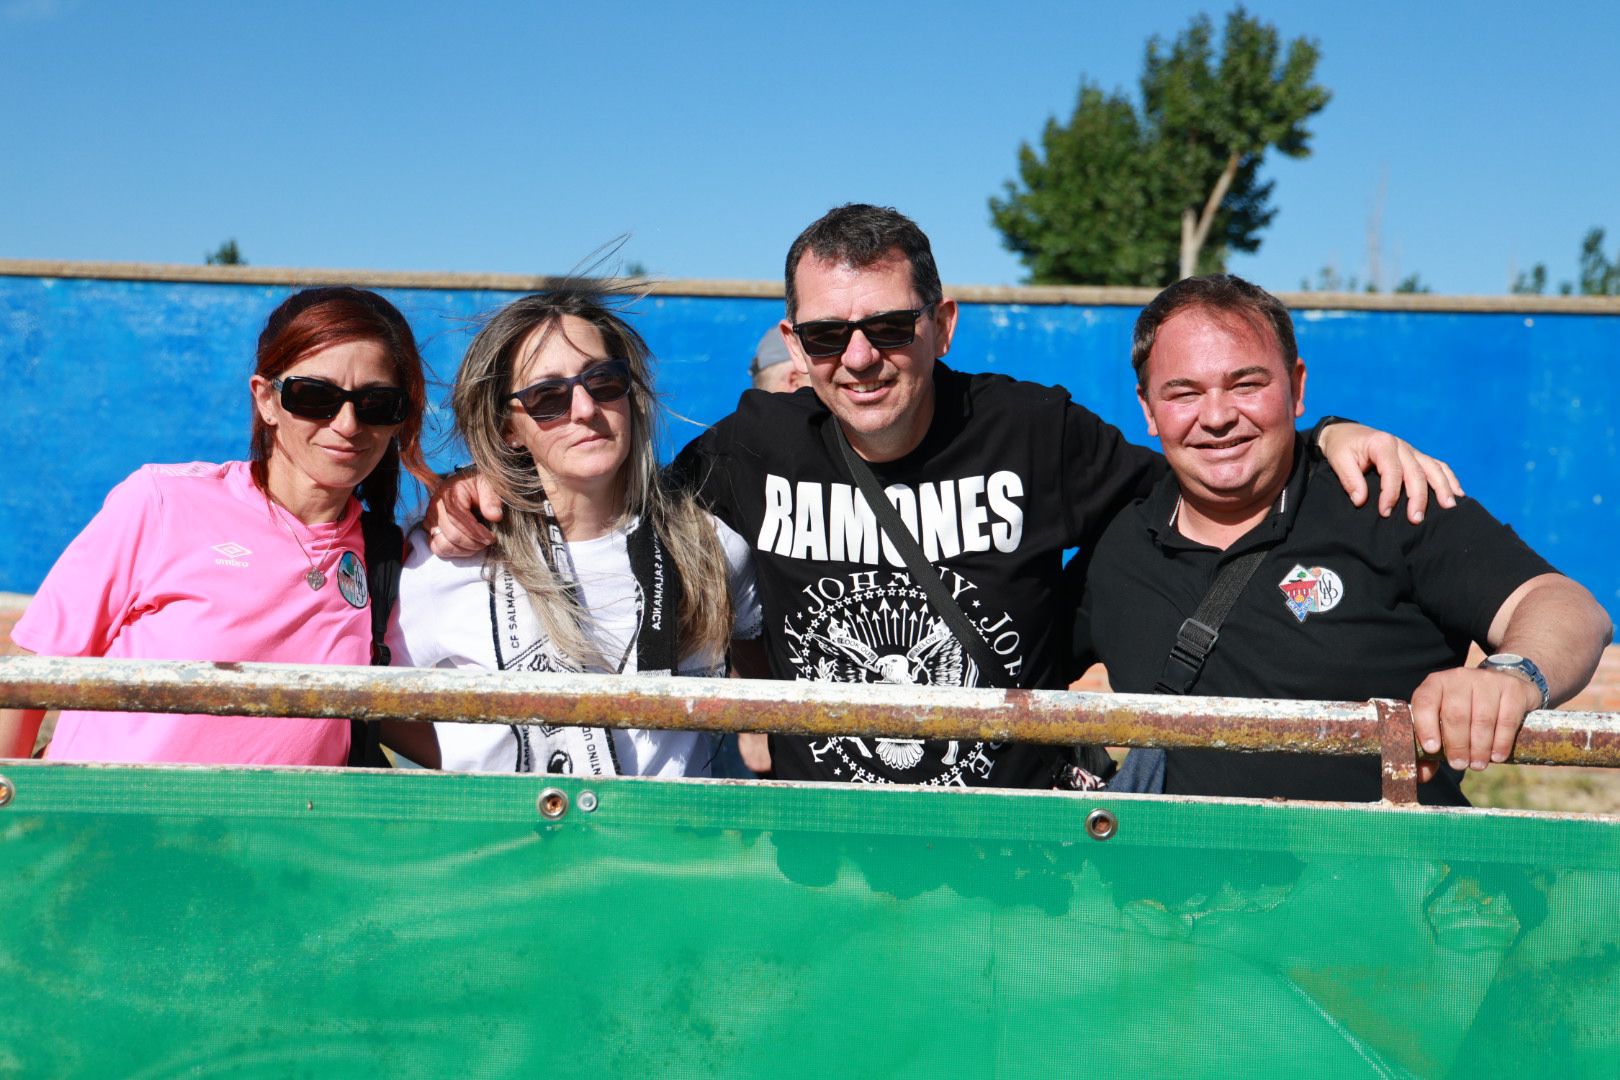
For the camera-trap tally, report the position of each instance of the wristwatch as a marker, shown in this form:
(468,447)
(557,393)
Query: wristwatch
(1518,665)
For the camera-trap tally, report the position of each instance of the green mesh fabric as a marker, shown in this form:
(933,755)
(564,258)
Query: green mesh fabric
(201,922)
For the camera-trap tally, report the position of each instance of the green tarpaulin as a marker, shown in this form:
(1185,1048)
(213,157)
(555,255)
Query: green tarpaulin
(207,922)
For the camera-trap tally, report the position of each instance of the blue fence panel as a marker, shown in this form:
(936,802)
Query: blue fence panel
(101,376)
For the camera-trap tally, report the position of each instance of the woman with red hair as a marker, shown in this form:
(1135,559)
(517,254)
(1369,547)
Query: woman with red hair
(259,560)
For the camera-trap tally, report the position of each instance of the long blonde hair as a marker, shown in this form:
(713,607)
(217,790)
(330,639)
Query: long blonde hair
(482,400)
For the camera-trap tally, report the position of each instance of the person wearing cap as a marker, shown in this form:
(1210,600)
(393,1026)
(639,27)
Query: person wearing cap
(772,369)
(773,372)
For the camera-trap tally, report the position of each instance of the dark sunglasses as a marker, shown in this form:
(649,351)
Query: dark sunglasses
(551,398)
(885,330)
(317,399)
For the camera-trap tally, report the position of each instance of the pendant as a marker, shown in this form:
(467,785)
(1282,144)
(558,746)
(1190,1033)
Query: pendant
(315,578)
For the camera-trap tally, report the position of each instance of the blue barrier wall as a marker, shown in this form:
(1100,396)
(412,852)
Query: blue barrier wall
(101,376)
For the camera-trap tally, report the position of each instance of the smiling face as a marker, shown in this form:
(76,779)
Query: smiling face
(883,398)
(581,453)
(1222,399)
(314,465)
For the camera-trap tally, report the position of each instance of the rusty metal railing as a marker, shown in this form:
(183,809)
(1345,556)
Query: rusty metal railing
(803,708)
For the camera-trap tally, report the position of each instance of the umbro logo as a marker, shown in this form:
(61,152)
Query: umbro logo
(232,553)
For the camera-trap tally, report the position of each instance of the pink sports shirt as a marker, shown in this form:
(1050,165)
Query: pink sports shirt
(191,562)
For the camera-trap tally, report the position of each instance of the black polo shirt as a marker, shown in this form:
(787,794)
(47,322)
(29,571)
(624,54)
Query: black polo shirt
(1347,606)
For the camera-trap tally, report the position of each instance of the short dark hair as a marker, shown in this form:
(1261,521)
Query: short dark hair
(1217,292)
(860,234)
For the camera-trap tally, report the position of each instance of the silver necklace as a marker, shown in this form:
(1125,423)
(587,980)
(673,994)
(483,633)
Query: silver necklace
(314,579)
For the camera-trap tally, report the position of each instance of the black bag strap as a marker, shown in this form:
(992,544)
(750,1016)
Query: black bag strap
(385,551)
(1144,767)
(1091,763)
(1198,634)
(917,563)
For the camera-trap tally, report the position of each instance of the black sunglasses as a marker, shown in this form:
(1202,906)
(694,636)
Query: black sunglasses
(551,398)
(317,399)
(885,330)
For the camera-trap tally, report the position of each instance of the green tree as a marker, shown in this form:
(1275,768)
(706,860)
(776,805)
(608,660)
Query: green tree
(1599,276)
(1328,279)
(227,254)
(1121,195)
(1532,282)
(1091,208)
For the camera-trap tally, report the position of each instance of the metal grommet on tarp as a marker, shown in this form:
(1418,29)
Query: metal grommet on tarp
(7,791)
(586,800)
(1101,824)
(553,803)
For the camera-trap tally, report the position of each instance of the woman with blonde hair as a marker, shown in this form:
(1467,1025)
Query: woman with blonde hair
(596,566)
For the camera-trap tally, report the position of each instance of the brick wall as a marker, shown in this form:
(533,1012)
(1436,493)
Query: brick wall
(1603,694)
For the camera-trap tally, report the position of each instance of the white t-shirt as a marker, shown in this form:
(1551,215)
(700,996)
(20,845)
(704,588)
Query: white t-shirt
(450,616)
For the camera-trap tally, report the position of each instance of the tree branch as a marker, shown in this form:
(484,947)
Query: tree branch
(1193,234)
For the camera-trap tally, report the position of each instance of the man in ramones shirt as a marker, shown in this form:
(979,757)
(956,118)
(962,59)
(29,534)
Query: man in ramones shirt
(1342,604)
(994,477)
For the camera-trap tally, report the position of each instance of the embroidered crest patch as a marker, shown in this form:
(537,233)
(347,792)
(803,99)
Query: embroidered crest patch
(1311,591)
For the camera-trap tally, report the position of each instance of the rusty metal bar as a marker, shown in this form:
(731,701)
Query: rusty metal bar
(805,708)
(1399,751)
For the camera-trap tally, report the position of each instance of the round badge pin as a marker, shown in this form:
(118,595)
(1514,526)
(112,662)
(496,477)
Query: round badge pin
(351,575)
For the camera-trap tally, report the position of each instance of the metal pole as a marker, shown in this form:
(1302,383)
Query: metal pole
(803,708)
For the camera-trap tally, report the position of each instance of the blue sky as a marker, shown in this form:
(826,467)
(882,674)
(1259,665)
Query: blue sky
(510,137)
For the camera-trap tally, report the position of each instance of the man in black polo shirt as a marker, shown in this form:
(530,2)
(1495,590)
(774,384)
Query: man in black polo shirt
(1345,604)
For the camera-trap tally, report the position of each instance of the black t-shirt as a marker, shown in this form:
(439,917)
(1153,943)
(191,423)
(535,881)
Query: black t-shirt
(1008,475)
(1347,606)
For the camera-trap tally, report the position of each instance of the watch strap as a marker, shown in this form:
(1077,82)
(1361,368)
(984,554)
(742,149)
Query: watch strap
(1523,667)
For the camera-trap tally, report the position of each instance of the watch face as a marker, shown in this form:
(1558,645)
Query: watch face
(1504,658)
